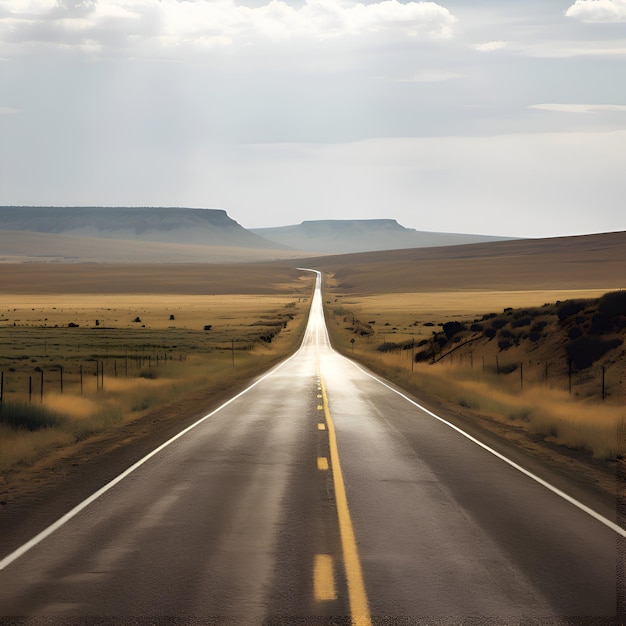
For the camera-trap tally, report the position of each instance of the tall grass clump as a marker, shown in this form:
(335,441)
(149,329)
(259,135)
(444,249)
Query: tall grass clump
(28,416)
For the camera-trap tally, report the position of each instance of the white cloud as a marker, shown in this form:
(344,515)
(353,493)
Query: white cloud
(579,108)
(170,24)
(9,111)
(490,46)
(598,10)
(427,76)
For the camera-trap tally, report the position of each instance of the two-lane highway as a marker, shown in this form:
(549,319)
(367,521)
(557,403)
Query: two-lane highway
(320,491)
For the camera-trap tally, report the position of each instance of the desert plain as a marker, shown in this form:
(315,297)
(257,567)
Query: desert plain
(150,363)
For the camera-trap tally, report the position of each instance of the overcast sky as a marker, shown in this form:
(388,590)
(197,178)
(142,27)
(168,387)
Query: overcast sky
(490,116)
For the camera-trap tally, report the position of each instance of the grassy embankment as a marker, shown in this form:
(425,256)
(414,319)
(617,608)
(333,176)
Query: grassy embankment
(137,355)
(509,368)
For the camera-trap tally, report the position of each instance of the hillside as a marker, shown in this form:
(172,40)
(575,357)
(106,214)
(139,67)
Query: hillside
(562,263)
(166,225)
(581,262)
(349,236)
(31,247)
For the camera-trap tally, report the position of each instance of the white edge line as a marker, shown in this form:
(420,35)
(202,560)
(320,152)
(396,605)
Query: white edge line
(16,554)
(600,518)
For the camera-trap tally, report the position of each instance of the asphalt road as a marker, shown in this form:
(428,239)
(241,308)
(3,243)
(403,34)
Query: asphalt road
(320,495)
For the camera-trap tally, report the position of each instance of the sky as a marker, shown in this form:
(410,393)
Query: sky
(502,117)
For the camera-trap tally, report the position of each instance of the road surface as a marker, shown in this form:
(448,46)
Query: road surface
(321,495)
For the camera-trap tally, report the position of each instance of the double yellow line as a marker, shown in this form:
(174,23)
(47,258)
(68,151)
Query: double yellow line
(359,608)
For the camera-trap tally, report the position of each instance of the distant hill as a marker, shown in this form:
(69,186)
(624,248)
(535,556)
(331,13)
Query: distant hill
(596,261)
(208,227)
(348,236)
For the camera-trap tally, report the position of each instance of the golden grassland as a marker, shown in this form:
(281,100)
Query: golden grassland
(126,356)
(535,398)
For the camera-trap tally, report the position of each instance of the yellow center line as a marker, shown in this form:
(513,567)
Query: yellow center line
(323,578)
(359,608)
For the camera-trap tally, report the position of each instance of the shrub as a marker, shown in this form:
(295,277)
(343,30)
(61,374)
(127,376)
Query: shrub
(499,323)
(423,355)
(570,307)
(452,328)
(476,327)
(613,303)
(537,327)
(522,321)
(149,373)
(574,332)
(387,346)
(28,416)
(508,368)
(601,324)
(490,333)
(208,327)
(504,344)
(585,350)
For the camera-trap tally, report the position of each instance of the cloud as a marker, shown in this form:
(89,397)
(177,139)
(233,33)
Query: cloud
(579,108)
(9,111)
(427,76)
(599,11)
(490,46)
(145,26)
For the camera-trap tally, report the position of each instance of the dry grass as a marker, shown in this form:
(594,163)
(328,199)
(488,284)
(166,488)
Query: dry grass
(143,366)
(538,406)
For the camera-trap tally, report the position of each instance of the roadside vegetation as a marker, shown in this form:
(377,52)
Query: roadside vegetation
(72,369)
(556,371)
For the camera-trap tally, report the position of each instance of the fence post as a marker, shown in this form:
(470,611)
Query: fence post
(1,387)
(603,387)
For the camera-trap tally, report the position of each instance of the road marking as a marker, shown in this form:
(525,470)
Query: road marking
(319,395)
(321,426)
(359,608)
(324,578)
(322,463)
(46,532)
(320,407)
(583,507)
